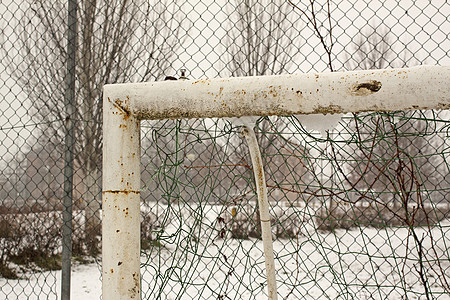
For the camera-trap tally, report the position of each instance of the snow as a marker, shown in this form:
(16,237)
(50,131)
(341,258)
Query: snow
(249,121)
(318,122)
(331,266)
(86,284)
(312,122)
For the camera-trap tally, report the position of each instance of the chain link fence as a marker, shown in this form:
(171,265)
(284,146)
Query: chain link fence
(360,209)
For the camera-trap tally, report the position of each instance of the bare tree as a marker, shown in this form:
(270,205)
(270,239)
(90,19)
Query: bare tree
(404,139)
(388,141)
(371,49)
(396,154)
(263,38)
(117,41)
(318,17)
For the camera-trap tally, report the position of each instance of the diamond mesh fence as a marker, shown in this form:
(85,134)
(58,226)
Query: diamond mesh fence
(359,203)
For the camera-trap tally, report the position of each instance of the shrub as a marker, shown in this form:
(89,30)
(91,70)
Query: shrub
(150,227)
(346,216)
(243,222)
(31,240)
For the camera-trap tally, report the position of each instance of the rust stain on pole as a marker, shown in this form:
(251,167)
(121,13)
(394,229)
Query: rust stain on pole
(125,105)
(366,88)
(383,90)
(121,200)
(266,231)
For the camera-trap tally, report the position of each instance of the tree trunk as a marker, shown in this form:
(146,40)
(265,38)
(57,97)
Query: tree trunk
(92,206)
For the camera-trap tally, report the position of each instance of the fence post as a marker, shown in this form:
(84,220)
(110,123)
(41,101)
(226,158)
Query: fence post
(66,255)
(120,203)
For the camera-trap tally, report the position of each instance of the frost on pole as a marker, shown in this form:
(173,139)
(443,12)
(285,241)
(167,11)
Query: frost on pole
(125,105)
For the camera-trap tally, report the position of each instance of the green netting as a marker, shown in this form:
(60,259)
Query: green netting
(360,213)
(200,224)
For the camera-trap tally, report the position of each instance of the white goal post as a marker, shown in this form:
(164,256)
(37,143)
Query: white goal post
(125,105)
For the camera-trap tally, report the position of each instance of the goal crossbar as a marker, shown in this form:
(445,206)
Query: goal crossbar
(125,105)
(424,87)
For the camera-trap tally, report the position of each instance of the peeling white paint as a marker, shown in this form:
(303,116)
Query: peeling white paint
(120,204)
(263,203)
(125,105)
(423,87)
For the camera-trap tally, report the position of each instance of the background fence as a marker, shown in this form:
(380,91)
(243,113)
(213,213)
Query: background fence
(359,211)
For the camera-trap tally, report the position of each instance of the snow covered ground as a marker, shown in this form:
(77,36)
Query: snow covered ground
(86,284)
(364,263)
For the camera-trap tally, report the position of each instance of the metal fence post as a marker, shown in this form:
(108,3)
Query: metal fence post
(68,152)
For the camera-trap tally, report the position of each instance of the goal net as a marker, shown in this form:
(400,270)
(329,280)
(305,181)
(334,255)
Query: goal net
(358,197)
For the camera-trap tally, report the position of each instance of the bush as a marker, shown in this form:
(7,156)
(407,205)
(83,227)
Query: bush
(150,227)
(378,215)
(29,240)
(243,222)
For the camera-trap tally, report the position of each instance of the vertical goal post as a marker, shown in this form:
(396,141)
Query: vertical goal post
(125,105)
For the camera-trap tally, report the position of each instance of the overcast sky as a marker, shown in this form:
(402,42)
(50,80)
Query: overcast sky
(423,28)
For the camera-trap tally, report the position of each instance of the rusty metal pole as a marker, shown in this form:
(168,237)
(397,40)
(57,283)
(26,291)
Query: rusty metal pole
(424,87)
(120,204)
(266,230)
(126,104)
(66,255)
